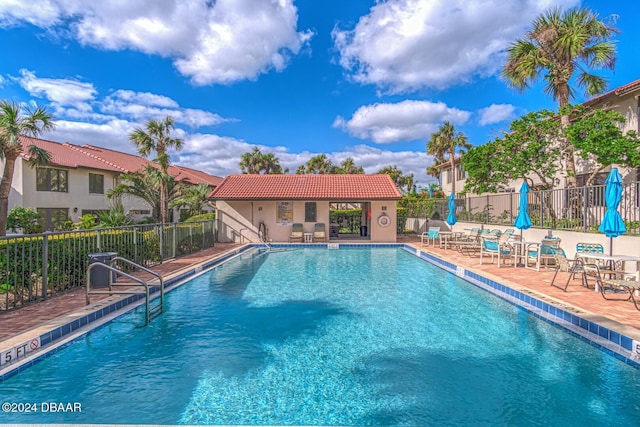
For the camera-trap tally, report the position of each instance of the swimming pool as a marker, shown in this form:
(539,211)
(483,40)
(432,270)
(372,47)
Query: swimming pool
(369,336)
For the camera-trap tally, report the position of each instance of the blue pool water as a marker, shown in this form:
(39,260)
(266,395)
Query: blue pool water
(331,337)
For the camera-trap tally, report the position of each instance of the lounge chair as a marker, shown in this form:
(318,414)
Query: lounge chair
(572,267)
(431,234)
(319,233)
(473,247)
(297,234)
(625,289)
(495,247)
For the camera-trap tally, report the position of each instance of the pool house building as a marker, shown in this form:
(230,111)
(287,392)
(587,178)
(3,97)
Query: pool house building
(275,208)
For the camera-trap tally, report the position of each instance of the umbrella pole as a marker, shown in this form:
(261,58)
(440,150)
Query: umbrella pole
(610,246)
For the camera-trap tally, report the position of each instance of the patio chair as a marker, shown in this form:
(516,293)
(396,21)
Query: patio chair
(544,253)
(471,235)
(319,233)
(624,289)
(492,246)
(431,234)
(473,247)
(573,267)
(297,234)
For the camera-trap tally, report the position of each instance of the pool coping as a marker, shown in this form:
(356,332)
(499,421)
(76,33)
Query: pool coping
(33,345)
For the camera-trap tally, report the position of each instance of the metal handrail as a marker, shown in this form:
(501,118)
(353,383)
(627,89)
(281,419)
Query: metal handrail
(137,280)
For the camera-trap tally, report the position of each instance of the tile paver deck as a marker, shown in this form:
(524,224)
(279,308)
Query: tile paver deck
(619,315)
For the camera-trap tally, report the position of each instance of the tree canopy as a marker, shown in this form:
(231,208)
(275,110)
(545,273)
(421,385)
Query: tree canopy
(18,120)
(257,162)
(531,149)
(559,45)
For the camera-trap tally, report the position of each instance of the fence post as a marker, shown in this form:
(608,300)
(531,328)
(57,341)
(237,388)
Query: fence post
(584,208)
(135,244)
(45,263)
(161,228)
(98,241)
(174,239)
(487,218)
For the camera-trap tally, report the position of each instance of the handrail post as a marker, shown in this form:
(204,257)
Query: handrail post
(45,264)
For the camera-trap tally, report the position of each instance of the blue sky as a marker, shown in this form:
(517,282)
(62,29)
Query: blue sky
(370,79)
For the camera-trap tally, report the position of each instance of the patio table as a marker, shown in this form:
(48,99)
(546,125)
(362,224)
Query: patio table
(521,249)
(610,260)
(445,237)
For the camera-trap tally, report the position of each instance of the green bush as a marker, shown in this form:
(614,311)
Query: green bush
(28,219)
(201,217)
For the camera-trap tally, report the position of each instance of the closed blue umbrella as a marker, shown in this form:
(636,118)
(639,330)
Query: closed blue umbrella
(451,218)
(523,221)
(612,224)
(430,192)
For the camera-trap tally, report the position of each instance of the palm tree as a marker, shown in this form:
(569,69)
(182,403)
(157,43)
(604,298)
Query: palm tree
(156,138)
(255,162)
(318,164)
(17,120)
(193,197)
(444,144)
(348,166)
(252,161)
(146,185)
(558,45)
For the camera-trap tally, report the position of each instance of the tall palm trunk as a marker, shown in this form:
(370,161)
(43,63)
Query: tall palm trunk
(5,188)
(452,158)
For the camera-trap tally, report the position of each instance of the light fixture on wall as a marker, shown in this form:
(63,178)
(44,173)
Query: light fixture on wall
(75,210)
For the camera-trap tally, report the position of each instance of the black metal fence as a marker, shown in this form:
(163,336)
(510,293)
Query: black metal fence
(575,209)
(36,266)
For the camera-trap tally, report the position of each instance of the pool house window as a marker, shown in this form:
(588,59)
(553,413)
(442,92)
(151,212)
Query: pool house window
(284,213)
(96,183)
(310,212)
(49,179)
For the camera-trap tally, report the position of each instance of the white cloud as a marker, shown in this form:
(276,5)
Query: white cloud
(404,45)
(42,13)
(219,41)
(61,92)
(220,156)
(404,121)
(496,113)
(73,99)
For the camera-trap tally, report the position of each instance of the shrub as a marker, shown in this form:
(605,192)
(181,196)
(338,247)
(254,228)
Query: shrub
(25,218)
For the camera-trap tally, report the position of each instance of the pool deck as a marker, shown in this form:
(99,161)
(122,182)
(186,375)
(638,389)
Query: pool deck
(619,315)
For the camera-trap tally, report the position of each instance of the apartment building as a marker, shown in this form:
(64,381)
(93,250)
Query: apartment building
(78,178)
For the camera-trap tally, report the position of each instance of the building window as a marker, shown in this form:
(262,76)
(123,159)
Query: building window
(310,212)
(51,180)
(459,172)
(96,183)
(53,218)
(447,175)
(284,213)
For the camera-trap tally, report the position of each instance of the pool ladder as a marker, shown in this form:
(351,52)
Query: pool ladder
(150,312)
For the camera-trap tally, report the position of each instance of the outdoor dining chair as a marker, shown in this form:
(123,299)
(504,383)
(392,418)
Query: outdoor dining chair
(431,234)
(573,267)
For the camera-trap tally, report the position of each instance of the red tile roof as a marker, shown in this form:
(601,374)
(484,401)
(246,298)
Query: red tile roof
(307,187)
(629,87)
(90,157)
